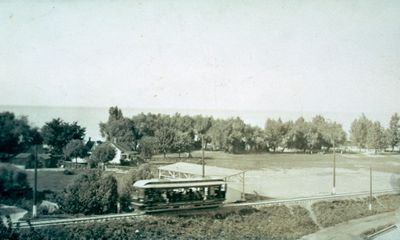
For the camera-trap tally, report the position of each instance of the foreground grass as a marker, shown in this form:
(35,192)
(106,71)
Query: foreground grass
(278,222)
(275,222)
(329,213)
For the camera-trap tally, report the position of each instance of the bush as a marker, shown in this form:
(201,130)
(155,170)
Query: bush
(11,179)
(329,213)
(91,193)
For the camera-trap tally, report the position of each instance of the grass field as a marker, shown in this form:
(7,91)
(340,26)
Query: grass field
(54,181)
(384,163)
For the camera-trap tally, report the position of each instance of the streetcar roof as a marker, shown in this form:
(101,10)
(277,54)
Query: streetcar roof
(176,183)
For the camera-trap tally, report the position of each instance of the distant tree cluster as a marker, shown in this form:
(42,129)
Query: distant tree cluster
(158,133)
(151,134)
(15,134)
(57,134)
(365,133)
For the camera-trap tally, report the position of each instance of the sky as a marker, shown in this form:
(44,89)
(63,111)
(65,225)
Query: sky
(327,56)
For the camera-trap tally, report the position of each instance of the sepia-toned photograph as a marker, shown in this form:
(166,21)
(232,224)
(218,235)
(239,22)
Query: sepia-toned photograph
(189,119)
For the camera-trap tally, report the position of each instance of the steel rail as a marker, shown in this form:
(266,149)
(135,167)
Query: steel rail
(310,198)
(68,221)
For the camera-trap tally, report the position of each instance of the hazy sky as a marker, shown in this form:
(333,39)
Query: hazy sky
(240,55)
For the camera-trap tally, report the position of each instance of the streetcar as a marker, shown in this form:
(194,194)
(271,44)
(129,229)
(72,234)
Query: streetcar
(155,195)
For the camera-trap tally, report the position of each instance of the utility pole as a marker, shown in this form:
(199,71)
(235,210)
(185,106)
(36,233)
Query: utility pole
(243,193)
(370,189)
(34,209)
(202,156)
(334,169)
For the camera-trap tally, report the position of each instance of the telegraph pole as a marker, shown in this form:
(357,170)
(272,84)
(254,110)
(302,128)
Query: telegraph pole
(334,169)
(370,189)
(243,193)
(34,209)
(202,156)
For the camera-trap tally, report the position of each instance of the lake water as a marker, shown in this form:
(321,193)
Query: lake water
(90,117)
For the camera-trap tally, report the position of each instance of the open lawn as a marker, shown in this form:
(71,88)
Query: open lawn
(385,163)
(52,180)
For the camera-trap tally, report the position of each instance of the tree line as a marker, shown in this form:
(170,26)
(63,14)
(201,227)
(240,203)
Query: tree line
(151,133)
(365,133)
(160,133)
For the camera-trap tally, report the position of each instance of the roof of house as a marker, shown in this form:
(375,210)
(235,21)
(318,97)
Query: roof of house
(121,147)
(197,169)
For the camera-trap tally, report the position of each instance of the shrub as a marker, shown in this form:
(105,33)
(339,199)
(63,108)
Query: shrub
(11,179)
(329,213)
(91,193)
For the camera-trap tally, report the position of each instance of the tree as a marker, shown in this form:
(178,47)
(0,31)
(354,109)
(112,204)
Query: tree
(57,134)
(393,132)
(236,141)
(359,131)
(120,129)
(146,124)
(147,147)
(183,142)
(15,134)
(218,133)
(165,139)
(259,141)
(91,193)
(334,134)
(296,137)
(201,126)
(103,153)
(375,137)
(275,131)
(74,149)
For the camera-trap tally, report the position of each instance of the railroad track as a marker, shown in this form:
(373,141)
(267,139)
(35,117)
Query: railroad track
(308,199)
(70,221)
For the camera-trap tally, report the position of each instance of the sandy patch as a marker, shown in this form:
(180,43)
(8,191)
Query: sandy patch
(287,183)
